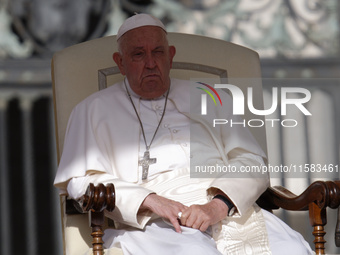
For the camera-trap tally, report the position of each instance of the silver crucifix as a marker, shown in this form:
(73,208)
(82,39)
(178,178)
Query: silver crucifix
(145,162)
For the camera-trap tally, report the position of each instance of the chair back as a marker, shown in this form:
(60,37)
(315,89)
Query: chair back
(82,69)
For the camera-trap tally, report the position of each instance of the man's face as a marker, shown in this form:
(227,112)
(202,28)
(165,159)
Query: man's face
(146,60)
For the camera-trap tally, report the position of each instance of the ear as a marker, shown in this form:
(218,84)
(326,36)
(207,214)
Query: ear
(172,53)
(119,61)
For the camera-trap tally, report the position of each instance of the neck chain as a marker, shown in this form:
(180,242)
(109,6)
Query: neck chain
(146,161)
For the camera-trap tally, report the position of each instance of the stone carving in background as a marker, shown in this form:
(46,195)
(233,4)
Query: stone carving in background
(275,28)
(10,46)
(51,25)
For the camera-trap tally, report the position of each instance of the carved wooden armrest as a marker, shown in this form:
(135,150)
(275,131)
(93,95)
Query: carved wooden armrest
(95,200)
(316,198)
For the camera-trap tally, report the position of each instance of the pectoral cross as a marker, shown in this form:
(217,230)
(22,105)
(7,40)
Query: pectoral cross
(145,162)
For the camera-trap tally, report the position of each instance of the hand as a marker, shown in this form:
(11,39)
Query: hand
(165,208)
(202,216)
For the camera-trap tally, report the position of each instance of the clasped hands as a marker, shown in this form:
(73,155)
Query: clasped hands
(195,216)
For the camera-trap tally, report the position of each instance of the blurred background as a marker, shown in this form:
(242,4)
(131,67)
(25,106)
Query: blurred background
(298,43)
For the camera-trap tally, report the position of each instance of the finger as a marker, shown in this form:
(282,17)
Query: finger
(182,209)
(197,223)
(204,226)
(184,217)
(176,225)
(186,209)
(189,220)
(179,218)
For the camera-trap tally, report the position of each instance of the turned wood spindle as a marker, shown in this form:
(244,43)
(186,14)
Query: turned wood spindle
(95,201)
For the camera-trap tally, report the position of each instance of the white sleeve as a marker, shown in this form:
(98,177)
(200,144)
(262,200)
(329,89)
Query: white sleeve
(129,197)
(243,191)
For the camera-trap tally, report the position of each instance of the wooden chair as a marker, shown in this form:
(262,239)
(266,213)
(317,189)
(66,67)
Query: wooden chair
(316,198)
(83,69)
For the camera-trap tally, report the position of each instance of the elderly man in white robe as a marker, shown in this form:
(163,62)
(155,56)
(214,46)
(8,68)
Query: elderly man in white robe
(139,135)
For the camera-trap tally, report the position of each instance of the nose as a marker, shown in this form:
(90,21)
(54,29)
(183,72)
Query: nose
(150,62)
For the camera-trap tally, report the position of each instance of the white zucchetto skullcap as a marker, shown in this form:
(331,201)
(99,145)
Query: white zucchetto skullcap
(139,20)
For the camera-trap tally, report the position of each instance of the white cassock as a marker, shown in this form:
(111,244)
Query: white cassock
(104,142)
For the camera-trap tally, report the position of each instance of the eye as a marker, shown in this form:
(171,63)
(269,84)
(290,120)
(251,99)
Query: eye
(159,51)
(137,55)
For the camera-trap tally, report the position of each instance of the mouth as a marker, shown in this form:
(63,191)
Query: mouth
(151,76)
